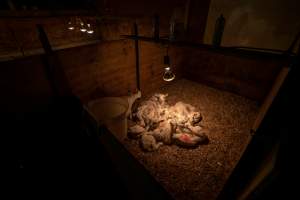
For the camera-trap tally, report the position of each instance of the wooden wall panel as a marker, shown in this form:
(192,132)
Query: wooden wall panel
(20,34)
(8,44)
(107,69)
(246,76)
(26,34)
(103,69)
(111,29)
(152,66)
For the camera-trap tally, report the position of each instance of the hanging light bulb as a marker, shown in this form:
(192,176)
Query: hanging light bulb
(168,74)
(89,29)
(71,25)
(82,26)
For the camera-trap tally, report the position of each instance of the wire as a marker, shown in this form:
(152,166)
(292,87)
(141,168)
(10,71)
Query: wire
(168,49)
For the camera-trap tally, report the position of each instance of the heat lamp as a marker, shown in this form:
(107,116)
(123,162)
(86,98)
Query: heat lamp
(168,74)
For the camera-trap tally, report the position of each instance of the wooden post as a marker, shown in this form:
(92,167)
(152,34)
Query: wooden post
(270,98)
(137,59)
(275,88)
(11,5)
(186,15)
(54,71)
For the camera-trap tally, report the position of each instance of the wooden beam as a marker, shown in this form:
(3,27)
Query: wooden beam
(11,5)
(40,51)
(240,50)
(270,98)
(45,13)
(275,87)
(264,170)
(54,71)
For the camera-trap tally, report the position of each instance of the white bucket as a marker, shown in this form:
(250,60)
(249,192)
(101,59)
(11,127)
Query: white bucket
(111,111)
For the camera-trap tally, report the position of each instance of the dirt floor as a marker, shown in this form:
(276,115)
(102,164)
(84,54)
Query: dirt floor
(202,172)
